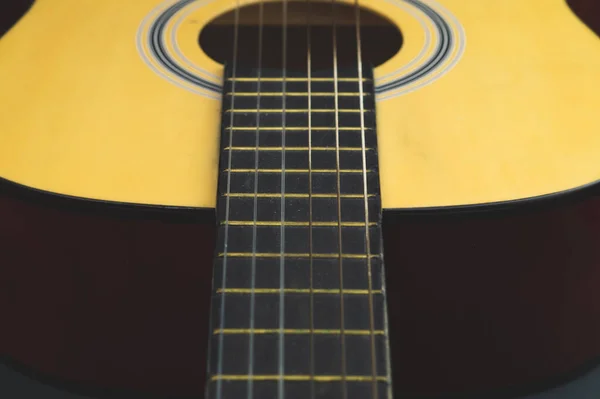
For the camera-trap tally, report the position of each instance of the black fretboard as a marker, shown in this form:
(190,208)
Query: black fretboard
(298,305)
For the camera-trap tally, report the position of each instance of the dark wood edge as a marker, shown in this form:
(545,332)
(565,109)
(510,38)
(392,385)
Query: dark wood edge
(98,392)
(522,391)
(208,215)
(91,391)
(494,209)
(107,208)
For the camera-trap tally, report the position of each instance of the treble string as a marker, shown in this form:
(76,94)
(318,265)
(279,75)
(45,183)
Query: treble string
(280,383)
(374,387)
(310,210)
(339,204)
(219,392)
(249,387)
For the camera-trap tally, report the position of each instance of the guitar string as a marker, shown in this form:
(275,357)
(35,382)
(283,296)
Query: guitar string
(227,199)
(280,383)
(374,386)
(250,386)
(339,203)
(311,353)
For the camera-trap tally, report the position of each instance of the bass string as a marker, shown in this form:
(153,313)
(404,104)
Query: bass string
(250,385)
(310,205)
(281,353)
(374,385)
(219,388)
(339,202)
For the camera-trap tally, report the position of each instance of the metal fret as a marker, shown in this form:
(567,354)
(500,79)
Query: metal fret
(292,291)
(294,331)
(303,111)
(295,170)
(296,94)
(292,128)
(282,223)
(291,195)
(279,149)
(313,79)
(288,377)
(293,255)
(316,224)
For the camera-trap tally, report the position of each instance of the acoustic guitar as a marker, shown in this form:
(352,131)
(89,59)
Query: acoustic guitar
(199,196)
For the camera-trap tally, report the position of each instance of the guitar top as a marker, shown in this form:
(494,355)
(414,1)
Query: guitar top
(485,101)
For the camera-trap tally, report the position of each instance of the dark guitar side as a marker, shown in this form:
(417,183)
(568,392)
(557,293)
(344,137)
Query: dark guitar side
(110,300)
(502,303)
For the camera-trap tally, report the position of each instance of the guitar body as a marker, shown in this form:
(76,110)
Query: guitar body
(108,317)
(488,144)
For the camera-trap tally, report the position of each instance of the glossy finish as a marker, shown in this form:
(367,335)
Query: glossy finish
(119,299)
(91,112)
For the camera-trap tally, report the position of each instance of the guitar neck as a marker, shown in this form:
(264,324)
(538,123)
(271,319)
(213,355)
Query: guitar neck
(298,305)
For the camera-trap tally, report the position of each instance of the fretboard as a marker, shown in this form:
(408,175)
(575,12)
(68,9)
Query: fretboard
(298,305)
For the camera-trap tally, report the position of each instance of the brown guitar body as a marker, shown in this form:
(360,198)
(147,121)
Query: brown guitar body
(517,310)
(96,298)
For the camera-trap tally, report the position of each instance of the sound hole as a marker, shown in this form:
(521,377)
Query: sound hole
(11,12)
(380,38)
